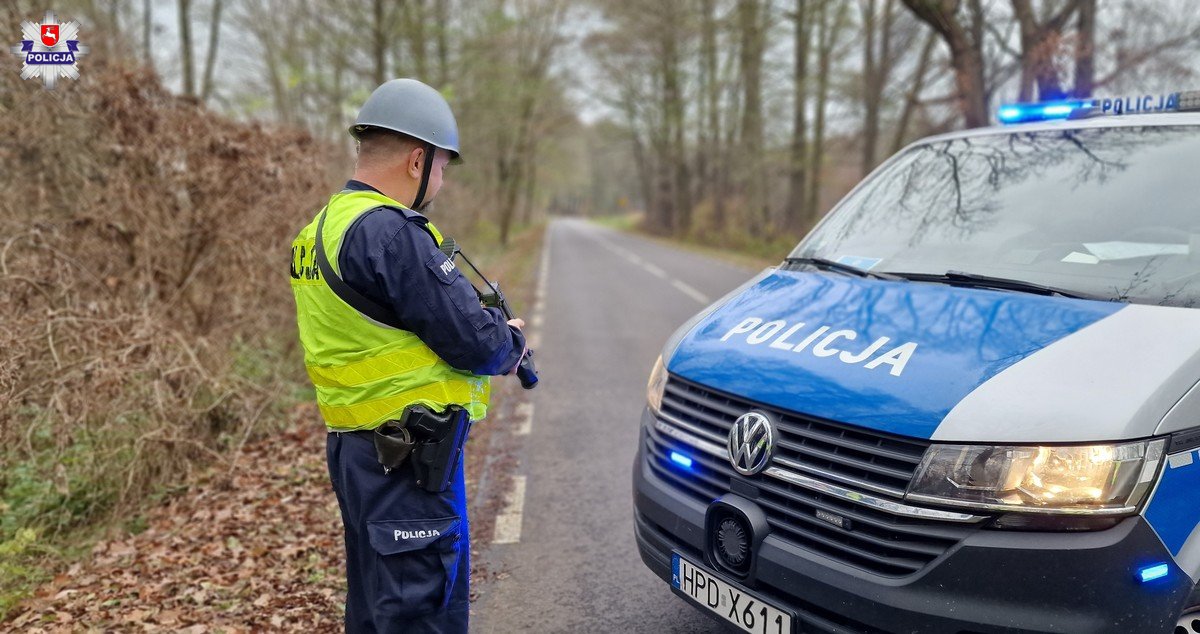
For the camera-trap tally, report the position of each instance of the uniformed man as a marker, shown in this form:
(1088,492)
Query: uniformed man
(391,327)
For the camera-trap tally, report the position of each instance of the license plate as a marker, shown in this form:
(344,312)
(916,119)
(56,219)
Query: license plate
(735,605)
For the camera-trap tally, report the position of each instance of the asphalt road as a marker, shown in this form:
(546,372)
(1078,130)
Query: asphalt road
(610,302)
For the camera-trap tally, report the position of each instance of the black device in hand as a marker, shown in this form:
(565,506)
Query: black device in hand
(494,298)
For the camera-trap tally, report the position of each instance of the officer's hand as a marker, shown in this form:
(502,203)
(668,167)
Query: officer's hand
(517,323)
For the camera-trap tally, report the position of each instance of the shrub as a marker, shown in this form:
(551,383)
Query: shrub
(146,324)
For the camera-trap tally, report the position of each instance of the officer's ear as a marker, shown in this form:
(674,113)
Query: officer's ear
(414,162)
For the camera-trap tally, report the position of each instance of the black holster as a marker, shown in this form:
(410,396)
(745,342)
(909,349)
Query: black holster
(432,440)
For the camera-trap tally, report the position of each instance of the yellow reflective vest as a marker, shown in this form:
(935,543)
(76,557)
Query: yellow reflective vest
(364,372)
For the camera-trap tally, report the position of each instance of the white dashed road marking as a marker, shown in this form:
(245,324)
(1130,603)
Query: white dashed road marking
(679,285)
(524,418)
(691,292)
(654,270)
(508,522)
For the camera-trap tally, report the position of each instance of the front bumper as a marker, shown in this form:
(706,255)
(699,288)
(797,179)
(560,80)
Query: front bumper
(991,581)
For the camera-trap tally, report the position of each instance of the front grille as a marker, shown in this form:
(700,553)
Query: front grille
(850,457)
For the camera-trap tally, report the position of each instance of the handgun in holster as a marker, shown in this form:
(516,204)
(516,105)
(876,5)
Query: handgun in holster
(432,440)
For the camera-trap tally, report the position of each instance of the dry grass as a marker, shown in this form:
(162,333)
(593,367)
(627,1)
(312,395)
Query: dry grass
(145,315)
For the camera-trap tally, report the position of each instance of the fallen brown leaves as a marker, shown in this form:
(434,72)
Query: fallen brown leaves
(255,548)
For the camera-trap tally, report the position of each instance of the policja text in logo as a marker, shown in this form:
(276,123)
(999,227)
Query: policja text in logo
(50,50)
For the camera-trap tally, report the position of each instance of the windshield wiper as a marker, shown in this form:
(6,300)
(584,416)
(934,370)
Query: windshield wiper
(975,280)
(832,265)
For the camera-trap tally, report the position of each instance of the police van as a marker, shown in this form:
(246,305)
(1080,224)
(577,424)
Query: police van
(967,402)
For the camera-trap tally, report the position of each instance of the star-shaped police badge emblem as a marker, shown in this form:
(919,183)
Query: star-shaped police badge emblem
(50,50)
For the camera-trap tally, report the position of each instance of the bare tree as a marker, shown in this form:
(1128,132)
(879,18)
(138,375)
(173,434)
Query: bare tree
(416,16)
(1039,42)
(1085,49)
(877,63)
(147,26)
(382,26)
(796,214)
(916,84)
(753,42)
(709,117)
(536,40)
(441,19)
(185,46)
(829,26)
(965,39)
(214,34)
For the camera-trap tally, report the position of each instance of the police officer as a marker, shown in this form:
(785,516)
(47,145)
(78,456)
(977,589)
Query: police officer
(388,325)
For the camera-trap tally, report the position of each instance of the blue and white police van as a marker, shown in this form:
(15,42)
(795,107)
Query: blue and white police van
(967,402)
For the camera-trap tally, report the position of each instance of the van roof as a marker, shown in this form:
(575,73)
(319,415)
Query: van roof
(1162,119)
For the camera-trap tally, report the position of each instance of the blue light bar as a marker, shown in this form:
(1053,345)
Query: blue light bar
(681,460)
(1150,573)
(1026,112)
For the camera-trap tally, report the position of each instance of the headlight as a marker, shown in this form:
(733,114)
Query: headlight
(1087,479)
(656,386)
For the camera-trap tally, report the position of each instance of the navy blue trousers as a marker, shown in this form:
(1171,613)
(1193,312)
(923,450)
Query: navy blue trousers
(408,554)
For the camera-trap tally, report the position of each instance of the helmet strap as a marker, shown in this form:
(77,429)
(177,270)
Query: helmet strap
(425,171)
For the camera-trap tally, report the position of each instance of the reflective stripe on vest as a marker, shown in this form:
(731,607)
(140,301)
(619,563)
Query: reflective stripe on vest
(366,373)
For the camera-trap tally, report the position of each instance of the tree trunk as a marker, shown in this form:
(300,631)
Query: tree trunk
(870,135)
(643,171)
(676,159)
(705,107)
(513,170)
(379,43)
(1085,50)
(1037,55)
(883,74)
(147,28)
(530,185)
(816,153)
(214,34)
(796,215)
(441,9)
(966,53)
(1023,12)
(916,85)
(714,172)
(754,176)
(828,31)
(185,45)
(420,48)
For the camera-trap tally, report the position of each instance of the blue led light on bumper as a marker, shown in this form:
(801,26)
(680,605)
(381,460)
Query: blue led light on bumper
(681,460)
(1150,573)
(1025,112)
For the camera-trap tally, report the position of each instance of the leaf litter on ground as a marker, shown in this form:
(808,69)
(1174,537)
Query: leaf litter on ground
(251,546)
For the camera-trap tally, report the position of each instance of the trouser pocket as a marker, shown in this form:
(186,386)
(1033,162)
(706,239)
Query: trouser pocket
(417,564)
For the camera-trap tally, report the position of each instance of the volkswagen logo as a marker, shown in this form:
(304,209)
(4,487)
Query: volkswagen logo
(751,443)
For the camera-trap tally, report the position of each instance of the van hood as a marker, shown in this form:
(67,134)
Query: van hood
(952,364)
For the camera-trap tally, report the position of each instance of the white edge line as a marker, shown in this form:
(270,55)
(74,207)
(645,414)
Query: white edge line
(525,411)
(508,522)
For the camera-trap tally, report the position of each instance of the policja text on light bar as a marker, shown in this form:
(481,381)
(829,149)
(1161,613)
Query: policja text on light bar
(1079,108)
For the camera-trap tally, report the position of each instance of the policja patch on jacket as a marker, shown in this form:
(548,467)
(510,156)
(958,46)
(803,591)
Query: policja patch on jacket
(443,267)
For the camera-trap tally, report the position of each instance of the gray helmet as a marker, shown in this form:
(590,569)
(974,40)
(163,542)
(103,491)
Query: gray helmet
(410,107)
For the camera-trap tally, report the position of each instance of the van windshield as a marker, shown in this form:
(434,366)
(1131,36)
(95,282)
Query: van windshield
(1107,212)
